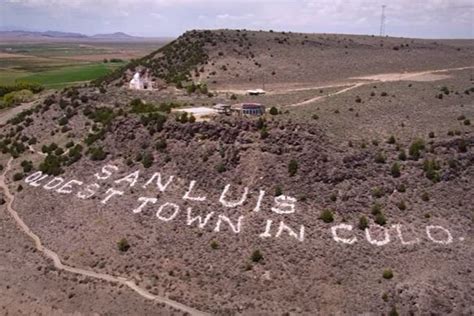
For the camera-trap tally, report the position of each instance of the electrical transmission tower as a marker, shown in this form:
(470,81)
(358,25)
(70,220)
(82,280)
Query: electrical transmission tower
(382,21)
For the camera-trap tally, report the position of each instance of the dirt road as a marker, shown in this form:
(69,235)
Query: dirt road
(355,82)
(319,97)
(59,265)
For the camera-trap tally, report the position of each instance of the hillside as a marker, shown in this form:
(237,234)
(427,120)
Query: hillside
(352,196)
(248,58)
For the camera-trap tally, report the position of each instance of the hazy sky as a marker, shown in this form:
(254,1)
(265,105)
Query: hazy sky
(411,18)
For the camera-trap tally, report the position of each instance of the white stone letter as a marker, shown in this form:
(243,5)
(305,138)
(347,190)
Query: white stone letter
(233,203)
(106,172)
(235,228)
(383,242)
(201,223)
(443,242)
(268,227)
(33,177)
(36,183)
(89,191)
(145,201)
(192,198)
(167,219)
(348,241)
(259,201)
(131,178)
(110,193)
(398,228)
(162,187)
(53,183)
(290,231)
(67,187)
(284,204)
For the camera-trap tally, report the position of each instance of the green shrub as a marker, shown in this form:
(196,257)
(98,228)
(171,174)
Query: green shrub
(395,170)
(380,157)
(123,245)
(97,153)
(17,97)
(402,155)
(377,192)
(445,90)
(20,85)
(18,176)
(380,219)
(425,196)
(137,106)
(27,166)
(154,121)
(376,209)
(256,256)
(467,122)
(103,115)
(273,111)
(214,244)
(278,191)
(161,145)
(415,149)
(391,140)
(147,160)
(387,274)
(363,222)
(462,146)
(401,205)
(292,167)
(326,216)
(430,166)
(59,151)
(183,117)
(401,188)
(51,165)
(220,168)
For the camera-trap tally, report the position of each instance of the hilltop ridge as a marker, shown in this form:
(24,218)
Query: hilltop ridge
(255,58)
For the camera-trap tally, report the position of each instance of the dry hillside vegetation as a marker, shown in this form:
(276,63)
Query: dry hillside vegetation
(374,156)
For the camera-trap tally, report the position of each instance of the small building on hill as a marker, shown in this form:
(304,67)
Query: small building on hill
(222,108)
(141,81)
(249,109)
(256,92)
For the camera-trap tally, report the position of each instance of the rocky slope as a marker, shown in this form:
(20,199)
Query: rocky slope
(302,212)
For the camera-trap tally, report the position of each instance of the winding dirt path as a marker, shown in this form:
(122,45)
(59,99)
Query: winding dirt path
(59,265)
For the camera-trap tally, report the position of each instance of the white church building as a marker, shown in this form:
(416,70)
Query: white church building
(139,83)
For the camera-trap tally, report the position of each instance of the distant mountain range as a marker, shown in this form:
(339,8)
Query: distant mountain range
(64,35)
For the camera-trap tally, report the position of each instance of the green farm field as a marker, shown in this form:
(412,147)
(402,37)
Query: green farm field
(58,65)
